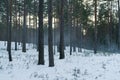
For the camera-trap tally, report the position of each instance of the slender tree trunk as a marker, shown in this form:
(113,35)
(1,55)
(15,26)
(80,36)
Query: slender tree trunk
(62,55)
(35,27)
(24,30)
(54,34)
(108,27)
(9,30)
(119,25)
(30,32)
(15,25)
(74,39)
(35,10)
(79,37)
(19,37)
(7,4)
(41,34)
(95,31)
(50,34)
(70,25)
(37,33)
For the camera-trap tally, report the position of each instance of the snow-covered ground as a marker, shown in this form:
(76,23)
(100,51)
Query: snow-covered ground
(79,66)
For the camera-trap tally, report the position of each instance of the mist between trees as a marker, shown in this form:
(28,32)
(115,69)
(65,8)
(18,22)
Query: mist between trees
(86,24)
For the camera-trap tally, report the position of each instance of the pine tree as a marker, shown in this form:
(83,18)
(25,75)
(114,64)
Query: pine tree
(15,25)
(119,25)
(95,31)
(41,34)
(50,34)
(24,29)
(9,29)
(62,55)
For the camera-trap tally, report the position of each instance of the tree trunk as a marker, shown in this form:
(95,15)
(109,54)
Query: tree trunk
(108,27)
(19,37)
(7,6)
(95,31)
(74,37)
(15,25)
(50,34)
(41,34)
(62,55)
(119,26)
(24,30)
(9,30)
(79,36)
(70,25)
(54,34)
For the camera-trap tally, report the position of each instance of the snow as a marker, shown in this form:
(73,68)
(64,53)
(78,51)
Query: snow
(79,66)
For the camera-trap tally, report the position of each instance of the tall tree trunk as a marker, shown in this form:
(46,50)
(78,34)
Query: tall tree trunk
(62,55)
(79,36)
(16,25)
(70,25)
(50,34)
(29,25)
(54,34)
(35,10)
(24,29)
(19,37)
(7,6)
(95,31)
(108,27)
(119,25)
(35,27)
(9,30)
(41,34)
(74,36)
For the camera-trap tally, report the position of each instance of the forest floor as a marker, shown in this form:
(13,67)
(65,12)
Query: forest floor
(79,66)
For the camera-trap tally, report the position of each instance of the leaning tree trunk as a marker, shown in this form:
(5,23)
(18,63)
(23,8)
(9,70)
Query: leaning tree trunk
(41,34)
(24,30)
(62,55)
(9,30)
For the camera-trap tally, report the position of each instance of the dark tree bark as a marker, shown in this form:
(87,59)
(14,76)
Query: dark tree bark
(74,36)
(35,19)
(79,35)
(50,34)
(54,35)
(24,29)
(41,34)
(9,30)
(108,26)
(62,55)
(19,37)
(7,7)
(35,26)
(16,25)
(70,24)
(119,25)
(95,31)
